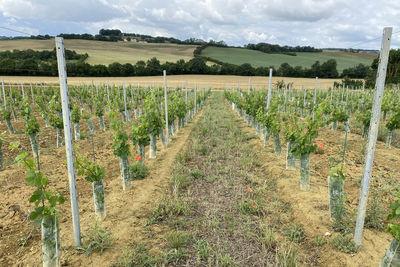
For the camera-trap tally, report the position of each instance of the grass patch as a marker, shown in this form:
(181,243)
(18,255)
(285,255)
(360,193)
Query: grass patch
(168,207)
(269,238)
(97,239)
(295,233)
(203,249)
(138,171)
(137,255)
(319,241)
(177,239)
(197,174)
(375,213)
(248,206)
(287,256)
(344,243)
(174,256)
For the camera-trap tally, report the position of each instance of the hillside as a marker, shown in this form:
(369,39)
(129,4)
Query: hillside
(108,52)
(101,52)
(239,56)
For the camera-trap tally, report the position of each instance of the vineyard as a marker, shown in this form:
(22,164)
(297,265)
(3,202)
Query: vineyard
(119,174)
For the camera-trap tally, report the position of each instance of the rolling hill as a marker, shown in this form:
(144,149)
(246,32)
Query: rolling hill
(108,52)
(239,56)
(130,52)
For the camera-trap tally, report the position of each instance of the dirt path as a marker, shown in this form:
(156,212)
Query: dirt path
(125,209)
(234,214)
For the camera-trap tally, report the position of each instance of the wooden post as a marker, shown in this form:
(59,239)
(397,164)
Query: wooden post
(315,98)
(126,111)
(4,94)
(373,134)
(195,98)
(62,73)
(166,106)
(22,89)
(269,88)
(186,93)
(186,101)
(108,93)
(33,99)
(248,89)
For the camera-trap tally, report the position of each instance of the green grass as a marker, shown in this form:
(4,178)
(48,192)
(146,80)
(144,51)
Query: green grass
(257,59)
(109,52)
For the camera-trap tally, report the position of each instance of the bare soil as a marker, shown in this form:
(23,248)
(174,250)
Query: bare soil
(311,209)
(126,210)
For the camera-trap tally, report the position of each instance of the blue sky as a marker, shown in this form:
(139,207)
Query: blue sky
(319,23)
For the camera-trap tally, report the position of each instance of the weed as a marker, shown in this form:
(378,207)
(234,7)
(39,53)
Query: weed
(361,155)
(375,213)
(138,171)
(248,207)
(319,241)
(174,256)
(184,157)
(269,237)
(224,260)
(197,174)
(382,133)
(333,161)
(344,243)
(138,257)
(287,256)
(285,207)
(204,249)
(168,207)
(177,239)
(176,222)
(178,182)
(345,220)
(212,178)
(97,239)
(295,233)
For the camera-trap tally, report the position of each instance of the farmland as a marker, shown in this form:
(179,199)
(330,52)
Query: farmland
(207,81)
(219,192)
(197,170)
(239,56)
(130,52)
(108,52)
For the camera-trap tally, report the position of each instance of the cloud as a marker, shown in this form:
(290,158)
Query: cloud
(70,10)
(319,23)
(295,10)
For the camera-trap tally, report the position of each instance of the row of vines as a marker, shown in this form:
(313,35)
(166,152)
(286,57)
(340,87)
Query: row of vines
(136,119)
(299,115)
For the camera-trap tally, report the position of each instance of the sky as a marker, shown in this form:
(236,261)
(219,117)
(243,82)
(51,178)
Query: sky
(319,23)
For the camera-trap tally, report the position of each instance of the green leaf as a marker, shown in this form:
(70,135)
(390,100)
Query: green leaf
(36,196)
(14,145)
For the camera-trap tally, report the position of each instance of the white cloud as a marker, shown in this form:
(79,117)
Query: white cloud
(320,23)
(70,10)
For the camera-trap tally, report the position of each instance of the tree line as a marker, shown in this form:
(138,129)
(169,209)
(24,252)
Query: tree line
(30,62)
(35,63)
(277,49)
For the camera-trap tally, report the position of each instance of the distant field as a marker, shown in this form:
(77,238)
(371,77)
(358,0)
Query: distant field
(109,52)
(200,81)
(239,56)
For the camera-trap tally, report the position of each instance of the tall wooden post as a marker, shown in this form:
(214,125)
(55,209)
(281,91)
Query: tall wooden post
(269,88)
(373,134)
(166,106)
(62,73)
